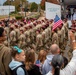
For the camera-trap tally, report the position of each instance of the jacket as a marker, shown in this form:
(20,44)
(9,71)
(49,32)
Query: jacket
(17,68)
(34,70)
(47,64)
(5,58)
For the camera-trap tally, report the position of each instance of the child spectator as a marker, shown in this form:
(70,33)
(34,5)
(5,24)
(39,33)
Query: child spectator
(41,58)
(16,65)
(31,68)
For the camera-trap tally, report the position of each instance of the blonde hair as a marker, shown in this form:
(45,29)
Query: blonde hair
(42,55)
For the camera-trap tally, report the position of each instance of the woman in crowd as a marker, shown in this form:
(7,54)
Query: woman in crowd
(31,68)
(57,64)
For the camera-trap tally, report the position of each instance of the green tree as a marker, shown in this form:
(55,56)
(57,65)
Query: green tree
(34,7)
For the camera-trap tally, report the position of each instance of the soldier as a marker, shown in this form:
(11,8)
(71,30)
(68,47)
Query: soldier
(12,36)
(63,37)
(31,35)
(39,42)
(66,30)
(27,35)
(59,36)
(21,43)
(6,42)
(74,28)
(17,32)
(43,37)
(5,55)
(55,37)
(47,36)
(50,34)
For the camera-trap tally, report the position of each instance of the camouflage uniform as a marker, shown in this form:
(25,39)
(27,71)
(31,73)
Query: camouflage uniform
(43,38)
(63,38)
(55,38)
(17,34)
(59,38)
(21,42)
(39,42)
(12,38)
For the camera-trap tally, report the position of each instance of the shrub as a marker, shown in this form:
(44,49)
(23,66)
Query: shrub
(18,17)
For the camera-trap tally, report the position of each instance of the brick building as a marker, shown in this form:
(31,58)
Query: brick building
(52,1)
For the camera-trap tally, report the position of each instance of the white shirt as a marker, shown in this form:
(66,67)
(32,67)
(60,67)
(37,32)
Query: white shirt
(70,69)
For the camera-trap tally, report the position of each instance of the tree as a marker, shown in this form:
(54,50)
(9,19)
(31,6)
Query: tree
(16,3)
(34,7)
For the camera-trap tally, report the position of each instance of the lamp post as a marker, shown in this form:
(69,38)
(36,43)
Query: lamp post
(26,7)
(9,9)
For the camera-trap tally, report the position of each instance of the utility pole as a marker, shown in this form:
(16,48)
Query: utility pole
(10,2)
(26,7)
(9,20)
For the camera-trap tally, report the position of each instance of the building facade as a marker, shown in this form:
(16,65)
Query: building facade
(52,1)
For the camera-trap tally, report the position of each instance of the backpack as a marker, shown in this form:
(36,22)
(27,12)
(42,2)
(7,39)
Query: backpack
(14,72)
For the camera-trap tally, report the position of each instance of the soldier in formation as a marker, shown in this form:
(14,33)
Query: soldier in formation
(37,34)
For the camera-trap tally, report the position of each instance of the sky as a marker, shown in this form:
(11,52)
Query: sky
(37,1)
(2,1)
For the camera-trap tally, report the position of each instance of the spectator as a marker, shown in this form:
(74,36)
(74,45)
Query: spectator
(41,59)
(57,62)
(16,65)
(5,55)
(31,68)
(46,66)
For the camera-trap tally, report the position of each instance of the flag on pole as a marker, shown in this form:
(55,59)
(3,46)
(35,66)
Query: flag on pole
(57,22)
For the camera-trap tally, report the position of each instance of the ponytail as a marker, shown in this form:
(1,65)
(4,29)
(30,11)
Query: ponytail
(57,71)
(57,63)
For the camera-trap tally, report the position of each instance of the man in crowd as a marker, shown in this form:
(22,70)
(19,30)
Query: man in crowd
(70,69)
(5,56)
(54,49)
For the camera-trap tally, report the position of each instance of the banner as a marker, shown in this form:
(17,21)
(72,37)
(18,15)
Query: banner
(52,10)
(5,10)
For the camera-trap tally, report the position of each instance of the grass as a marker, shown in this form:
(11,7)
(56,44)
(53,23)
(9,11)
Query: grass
(36,15)
(2,17)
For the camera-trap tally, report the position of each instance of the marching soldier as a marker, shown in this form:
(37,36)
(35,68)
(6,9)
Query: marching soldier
(55,37)
(12,36)
(21,42)
(17,33)
(39,42)
(28,39)
(59,37)
(6,42)
(63,37)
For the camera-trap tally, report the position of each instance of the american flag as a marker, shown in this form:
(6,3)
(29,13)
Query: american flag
(57,22)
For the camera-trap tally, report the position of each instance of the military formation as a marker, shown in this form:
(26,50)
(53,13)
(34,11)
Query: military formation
(35,34)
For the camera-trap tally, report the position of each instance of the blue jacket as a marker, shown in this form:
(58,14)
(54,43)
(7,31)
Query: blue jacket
(47,64)
(14,64)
